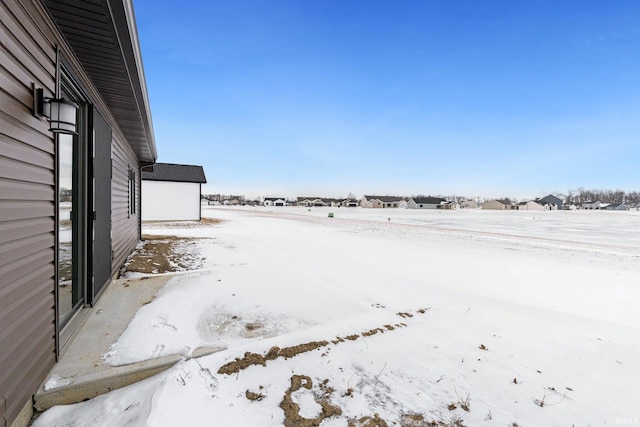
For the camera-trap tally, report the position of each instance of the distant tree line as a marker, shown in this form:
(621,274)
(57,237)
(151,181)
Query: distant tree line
(576,197)
(222,197)
(615,197)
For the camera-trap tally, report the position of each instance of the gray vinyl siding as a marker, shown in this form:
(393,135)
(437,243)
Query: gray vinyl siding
(27,209)
(125,227)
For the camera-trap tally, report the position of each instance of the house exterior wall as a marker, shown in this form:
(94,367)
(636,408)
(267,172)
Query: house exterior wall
(27,209)
(28,336)
(493,204)
(411,204)
(170,201)
(533,206)
(125,226)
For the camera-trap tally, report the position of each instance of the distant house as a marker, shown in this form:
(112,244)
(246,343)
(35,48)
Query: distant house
(612,207)
(350,203)
(233,202)
(274,201)
(171,192)
(531,205)
(425,203)
(591,205)
(310,201)
(317,202)
(380,201)
(498,204)
(448,205)
(552,200)
(468,204)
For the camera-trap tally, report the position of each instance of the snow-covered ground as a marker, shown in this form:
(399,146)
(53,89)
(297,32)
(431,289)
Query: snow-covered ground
(469,317)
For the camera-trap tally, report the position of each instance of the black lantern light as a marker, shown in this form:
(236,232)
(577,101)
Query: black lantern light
(60,112)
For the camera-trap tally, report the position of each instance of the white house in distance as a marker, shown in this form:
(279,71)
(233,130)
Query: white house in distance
(274,201)
(380,201)
(172,192)
(425,203)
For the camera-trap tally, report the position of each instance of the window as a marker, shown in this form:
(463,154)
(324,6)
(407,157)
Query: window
(132,192)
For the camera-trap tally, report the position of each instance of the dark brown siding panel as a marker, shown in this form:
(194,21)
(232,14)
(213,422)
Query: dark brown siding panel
(124,226)
(12,190)
(29,372)
(11,129)
(14,293)
(18,151)
(27,213)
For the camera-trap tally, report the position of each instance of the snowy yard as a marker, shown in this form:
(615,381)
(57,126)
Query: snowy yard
(390,317)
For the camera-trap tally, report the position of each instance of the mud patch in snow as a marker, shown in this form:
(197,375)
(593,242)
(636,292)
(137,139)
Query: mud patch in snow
(164,254)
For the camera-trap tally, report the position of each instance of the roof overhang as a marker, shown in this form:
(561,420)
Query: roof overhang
(104,37)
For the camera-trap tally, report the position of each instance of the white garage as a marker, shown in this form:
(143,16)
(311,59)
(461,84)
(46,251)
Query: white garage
(172,192)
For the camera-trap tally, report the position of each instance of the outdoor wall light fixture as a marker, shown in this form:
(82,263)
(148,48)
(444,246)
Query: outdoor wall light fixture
(60,112)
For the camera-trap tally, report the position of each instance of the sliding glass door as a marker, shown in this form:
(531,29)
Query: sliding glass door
(72,213)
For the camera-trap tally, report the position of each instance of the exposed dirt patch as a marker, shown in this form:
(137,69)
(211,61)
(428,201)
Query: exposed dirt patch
(374,421)
(211,221)
(412,420)
(275,352)
(204,222)
(372,332)
(292,417)
(295,350)
(164,254)
(251,359)
(322,392)
(418,420)
(254,396)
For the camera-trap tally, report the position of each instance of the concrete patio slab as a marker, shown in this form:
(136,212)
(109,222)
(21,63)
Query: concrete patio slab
(80,374)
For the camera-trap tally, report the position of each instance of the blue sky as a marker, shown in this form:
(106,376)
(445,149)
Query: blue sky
(327,97)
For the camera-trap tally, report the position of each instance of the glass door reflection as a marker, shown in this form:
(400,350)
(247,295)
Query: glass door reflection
(72,212)
(67,298)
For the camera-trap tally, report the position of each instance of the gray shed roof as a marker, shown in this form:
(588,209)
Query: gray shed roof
(175,173)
